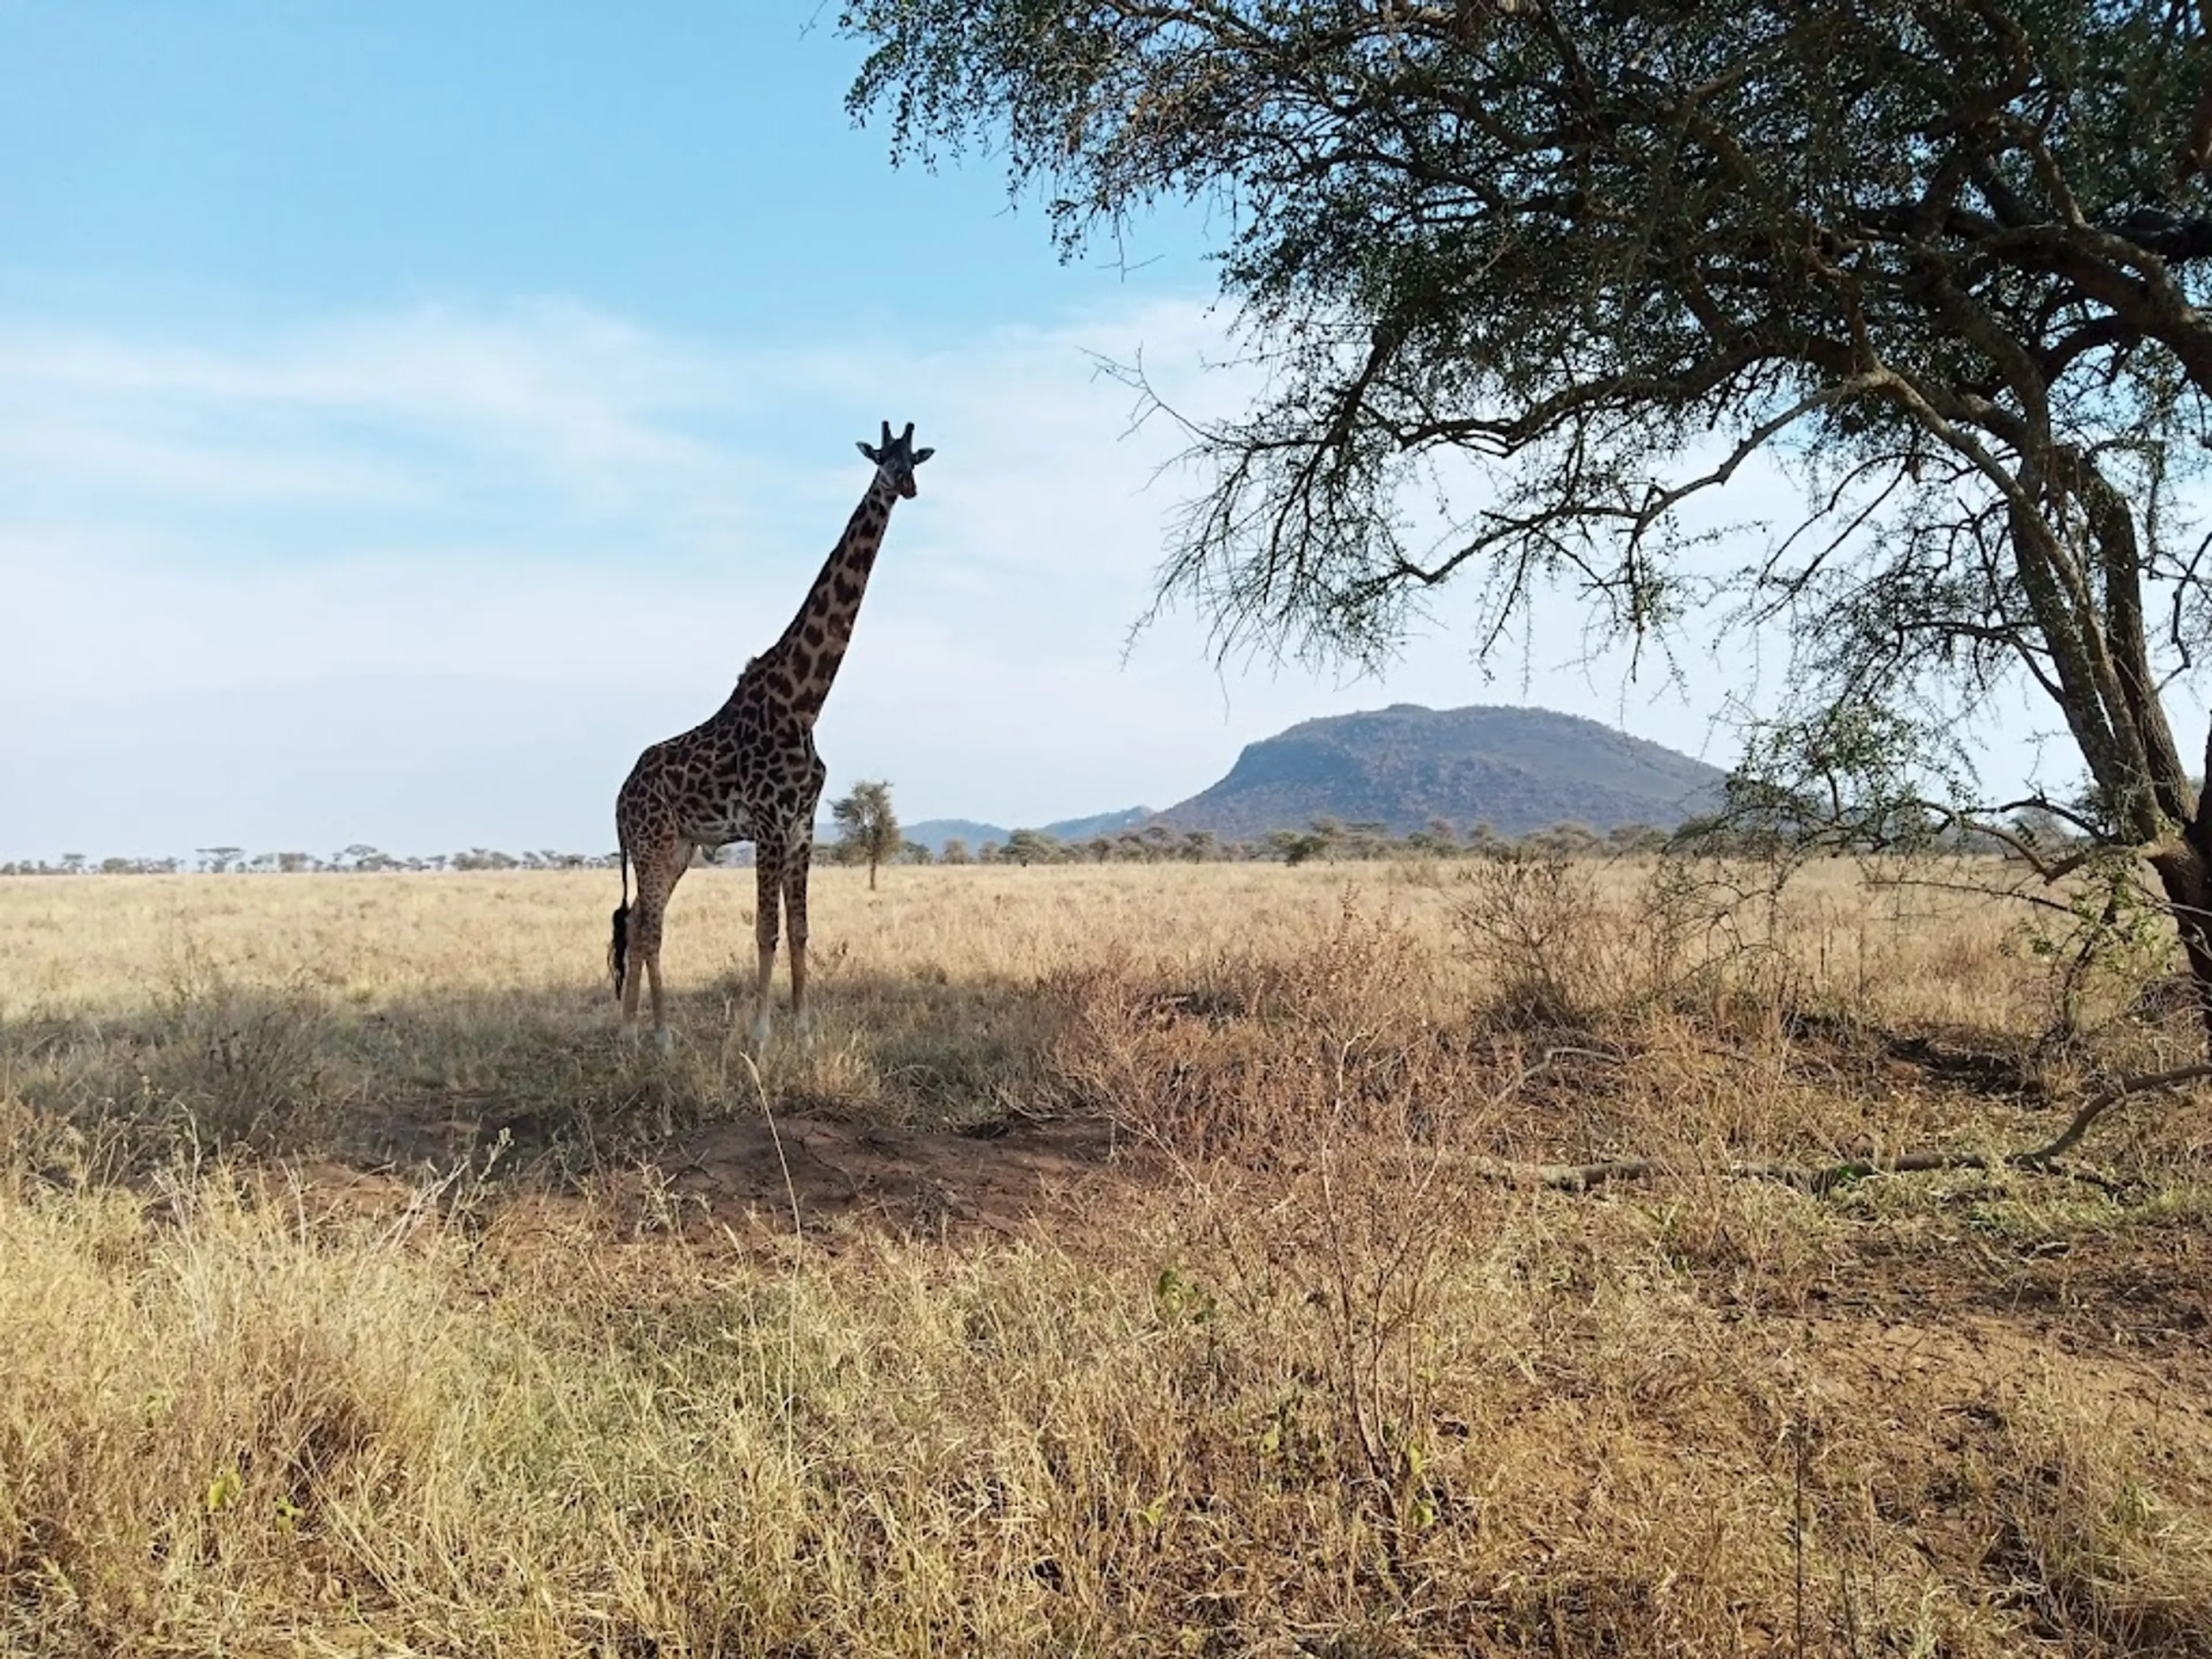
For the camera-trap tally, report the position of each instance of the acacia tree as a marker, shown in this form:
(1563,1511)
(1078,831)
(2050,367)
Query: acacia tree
(867,828)
(1567,266)
(1028,845)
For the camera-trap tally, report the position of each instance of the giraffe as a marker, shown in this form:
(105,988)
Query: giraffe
(750,772)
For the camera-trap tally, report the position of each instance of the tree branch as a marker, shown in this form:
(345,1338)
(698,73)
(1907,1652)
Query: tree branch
(1819,1179)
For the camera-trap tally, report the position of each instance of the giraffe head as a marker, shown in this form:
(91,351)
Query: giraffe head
(896,458)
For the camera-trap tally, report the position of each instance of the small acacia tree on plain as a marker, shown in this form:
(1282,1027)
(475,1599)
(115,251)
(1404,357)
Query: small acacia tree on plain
(1027,846)
(867,827)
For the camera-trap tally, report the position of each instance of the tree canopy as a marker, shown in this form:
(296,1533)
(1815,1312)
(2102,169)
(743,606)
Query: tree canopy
(868,826)
(1564,267)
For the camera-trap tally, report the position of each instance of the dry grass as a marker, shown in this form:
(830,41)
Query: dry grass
(1276,1371)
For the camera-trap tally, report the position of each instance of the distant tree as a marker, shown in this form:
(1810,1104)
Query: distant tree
(1200,845)
(1436,837)
(217,860)
(1443,834)
(1027,846)
(915,852)
(867,828)
(1368,838)
(1295,846)
(955,851)
(1568,838)
(1100,848)
(987,852)
(1636,838)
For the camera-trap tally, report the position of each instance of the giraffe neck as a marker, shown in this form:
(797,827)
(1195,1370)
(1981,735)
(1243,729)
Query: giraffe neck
(808,654)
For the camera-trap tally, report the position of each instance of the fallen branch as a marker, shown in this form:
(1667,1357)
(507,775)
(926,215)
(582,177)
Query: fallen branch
(2141,1084)
(1825,1178)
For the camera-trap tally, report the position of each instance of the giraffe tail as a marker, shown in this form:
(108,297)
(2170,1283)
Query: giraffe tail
(618,952)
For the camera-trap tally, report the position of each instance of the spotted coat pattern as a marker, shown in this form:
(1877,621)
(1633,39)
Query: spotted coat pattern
(750,771)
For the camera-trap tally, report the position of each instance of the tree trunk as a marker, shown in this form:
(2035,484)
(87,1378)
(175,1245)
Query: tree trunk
(2186,878)
(2184,871)
(871,873)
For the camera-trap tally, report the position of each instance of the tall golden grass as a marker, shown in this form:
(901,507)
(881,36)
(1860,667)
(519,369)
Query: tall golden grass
(1296,1375)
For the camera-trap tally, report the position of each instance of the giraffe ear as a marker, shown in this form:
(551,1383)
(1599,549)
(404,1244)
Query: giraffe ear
(863,447)
(922,455)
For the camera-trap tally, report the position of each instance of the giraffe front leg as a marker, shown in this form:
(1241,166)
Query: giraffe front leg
(768,869)
(796,865)
(633,960)
(662,1039)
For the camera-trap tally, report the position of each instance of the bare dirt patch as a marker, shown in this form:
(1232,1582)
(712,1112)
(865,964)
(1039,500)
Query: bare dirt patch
(744,1179)
(756,1175)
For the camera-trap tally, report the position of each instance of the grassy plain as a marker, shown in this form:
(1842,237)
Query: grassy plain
(1123,1267)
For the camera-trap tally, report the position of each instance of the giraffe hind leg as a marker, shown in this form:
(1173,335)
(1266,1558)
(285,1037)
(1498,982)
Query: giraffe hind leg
(658,871)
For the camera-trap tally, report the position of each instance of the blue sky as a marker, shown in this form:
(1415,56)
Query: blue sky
(409,411)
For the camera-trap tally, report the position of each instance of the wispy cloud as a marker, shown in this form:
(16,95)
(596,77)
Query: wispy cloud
(434,576)
(427,411)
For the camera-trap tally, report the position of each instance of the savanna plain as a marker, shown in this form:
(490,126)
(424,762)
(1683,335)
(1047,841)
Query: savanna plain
(1436,1257)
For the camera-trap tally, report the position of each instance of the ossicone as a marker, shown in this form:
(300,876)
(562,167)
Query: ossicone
(889,447)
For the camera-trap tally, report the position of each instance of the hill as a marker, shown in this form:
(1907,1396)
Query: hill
(934,833)
(1099,823)
(1518,770)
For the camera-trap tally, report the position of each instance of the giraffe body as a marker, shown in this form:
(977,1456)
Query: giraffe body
(750,771)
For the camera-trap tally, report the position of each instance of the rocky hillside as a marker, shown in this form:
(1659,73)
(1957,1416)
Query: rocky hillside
(1518,770)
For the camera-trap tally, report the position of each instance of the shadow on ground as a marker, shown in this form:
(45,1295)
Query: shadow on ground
(912,1104)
